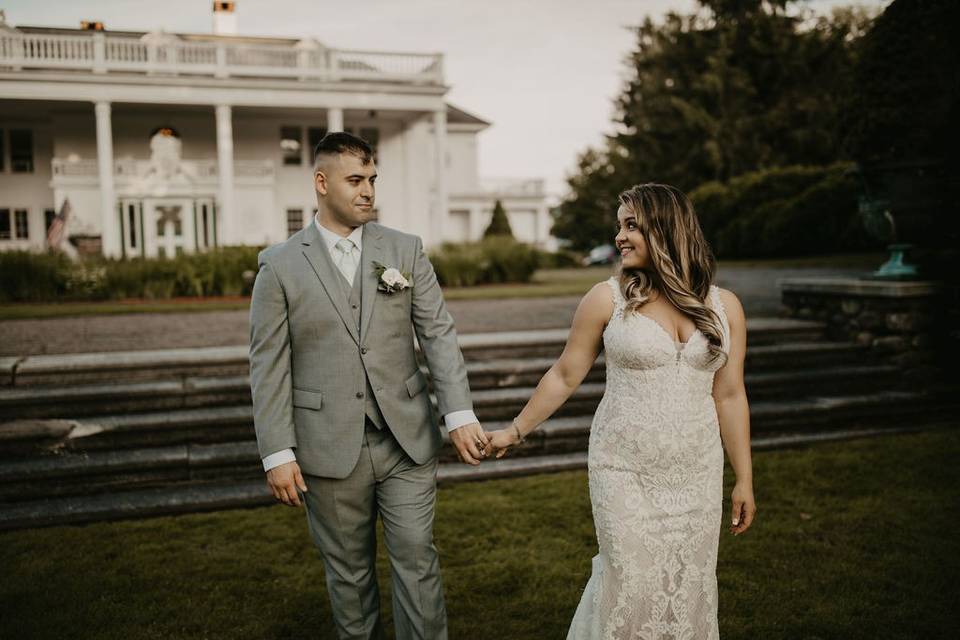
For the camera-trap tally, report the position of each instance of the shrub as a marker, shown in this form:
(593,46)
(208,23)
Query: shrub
(496,259)
(786,211)
(32,277)
(499,223)
(37,277)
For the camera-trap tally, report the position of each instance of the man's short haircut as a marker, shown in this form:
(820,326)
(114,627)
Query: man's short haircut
(340,142)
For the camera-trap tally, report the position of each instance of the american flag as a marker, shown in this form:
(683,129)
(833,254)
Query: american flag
(57,227)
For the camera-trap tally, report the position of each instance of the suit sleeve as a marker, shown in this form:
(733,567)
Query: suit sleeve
(438,337)
(270,380)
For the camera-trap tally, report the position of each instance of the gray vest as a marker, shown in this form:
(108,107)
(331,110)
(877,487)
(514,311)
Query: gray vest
(370,401)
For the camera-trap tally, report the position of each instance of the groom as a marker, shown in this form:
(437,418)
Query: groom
(341,408)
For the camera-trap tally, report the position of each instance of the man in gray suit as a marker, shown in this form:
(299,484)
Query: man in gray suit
(341,408)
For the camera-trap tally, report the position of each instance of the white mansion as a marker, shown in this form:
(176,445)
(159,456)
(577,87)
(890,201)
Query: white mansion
(165,143)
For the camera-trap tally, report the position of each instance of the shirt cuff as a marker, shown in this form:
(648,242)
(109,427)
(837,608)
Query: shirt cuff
(280,457)
(457,419)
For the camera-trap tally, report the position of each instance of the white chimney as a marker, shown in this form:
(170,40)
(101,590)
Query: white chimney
(224,18)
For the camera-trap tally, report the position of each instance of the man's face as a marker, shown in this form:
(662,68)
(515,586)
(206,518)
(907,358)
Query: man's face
(346,186)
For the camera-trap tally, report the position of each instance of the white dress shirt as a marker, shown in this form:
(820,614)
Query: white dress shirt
(453,420)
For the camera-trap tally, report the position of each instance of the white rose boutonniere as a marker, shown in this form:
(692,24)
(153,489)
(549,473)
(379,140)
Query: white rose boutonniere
(390,279)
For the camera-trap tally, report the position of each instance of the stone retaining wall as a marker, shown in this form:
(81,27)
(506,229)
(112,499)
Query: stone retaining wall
(906,323)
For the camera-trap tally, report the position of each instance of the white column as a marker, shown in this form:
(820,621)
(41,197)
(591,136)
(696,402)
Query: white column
(440,174)
(334,119)
(109,218)
(226,210)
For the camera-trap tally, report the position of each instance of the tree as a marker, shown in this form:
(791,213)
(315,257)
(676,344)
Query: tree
(499,224)
(735,87)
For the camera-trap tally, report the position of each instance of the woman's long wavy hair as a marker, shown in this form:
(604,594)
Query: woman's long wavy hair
(682,265)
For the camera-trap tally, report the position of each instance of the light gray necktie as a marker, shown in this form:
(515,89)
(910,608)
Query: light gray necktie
(346,261)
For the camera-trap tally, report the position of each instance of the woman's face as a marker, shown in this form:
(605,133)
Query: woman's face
(629,241)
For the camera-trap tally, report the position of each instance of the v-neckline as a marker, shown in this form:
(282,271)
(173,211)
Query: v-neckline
(675,343)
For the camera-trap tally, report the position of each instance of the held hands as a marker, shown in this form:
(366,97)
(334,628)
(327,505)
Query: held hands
(744,507)
(501,441)
(471,443)
(284,480)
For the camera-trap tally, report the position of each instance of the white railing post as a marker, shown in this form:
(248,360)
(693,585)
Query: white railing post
(221,71)
(333,60)
(438,69)
(99,53)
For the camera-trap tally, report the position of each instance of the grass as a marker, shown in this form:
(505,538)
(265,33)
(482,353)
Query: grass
(853,540)
(546,283)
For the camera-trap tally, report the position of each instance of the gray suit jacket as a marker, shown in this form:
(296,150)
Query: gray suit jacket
(308,360)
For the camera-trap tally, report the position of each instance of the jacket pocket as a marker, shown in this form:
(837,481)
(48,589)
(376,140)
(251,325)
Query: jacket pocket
(416,383)
(307,399)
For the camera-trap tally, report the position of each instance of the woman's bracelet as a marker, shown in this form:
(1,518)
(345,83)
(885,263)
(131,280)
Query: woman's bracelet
(519,433)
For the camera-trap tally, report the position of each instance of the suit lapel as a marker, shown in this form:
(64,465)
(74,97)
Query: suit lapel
(372,252)
(318,256)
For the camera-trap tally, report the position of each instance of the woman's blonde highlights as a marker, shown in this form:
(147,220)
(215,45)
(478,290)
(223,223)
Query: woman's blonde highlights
(682,265)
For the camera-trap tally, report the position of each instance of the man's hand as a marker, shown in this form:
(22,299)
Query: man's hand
(284,480)
(470,442)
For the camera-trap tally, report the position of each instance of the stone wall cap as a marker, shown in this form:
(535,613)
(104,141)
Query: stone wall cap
(860,287)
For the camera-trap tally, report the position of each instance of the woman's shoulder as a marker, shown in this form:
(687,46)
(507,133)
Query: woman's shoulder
(729,302)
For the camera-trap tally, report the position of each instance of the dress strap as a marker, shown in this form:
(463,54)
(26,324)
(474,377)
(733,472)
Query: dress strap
(716,303)
(619,303)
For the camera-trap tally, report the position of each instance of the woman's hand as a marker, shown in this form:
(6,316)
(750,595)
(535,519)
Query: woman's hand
(500,441)
(744,507)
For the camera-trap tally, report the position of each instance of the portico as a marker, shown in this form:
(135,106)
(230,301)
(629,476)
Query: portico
(245,113)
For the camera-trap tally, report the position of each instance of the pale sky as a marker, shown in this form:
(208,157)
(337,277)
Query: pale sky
(544,72)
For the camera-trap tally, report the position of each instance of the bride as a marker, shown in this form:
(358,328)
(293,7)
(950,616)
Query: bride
(674,400)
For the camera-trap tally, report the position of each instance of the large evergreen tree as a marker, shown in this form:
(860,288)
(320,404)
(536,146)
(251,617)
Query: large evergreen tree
(737,86)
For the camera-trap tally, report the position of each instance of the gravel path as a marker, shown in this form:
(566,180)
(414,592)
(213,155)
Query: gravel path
(757,289)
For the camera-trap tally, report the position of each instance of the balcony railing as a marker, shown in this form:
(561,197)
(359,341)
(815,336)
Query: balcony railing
(129,170)
(167,54)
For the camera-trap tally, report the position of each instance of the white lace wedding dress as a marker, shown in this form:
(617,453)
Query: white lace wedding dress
(656,481)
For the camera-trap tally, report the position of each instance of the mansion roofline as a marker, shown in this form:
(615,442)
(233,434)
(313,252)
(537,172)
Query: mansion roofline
(215,56)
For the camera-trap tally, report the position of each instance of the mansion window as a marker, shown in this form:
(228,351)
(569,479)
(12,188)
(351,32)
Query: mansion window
(291,143)
(294,221)
(16,226)
(21,150)
(21,224)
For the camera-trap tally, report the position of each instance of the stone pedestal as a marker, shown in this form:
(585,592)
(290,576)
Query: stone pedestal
(911,324)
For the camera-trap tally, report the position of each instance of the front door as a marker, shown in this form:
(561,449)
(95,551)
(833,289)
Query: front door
(169,226)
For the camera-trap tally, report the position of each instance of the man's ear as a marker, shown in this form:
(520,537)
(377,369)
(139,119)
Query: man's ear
(320,182)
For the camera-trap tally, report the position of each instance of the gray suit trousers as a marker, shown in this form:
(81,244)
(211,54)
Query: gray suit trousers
(342,515)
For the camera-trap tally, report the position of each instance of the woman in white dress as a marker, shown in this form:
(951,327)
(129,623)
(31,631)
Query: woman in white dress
(674,399)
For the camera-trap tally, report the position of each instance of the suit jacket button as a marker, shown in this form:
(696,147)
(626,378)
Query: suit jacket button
(359,394)
(363,350)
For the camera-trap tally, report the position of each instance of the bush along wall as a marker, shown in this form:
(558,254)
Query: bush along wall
(789,211)
(497,259)
(37,277)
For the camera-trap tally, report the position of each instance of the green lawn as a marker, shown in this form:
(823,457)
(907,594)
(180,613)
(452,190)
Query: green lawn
(853,540)
(546,283)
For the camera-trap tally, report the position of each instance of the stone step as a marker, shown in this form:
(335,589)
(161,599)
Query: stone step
(246,493)
(90,472)
(77,401)
(173,364)
(501,404)
(205,425)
